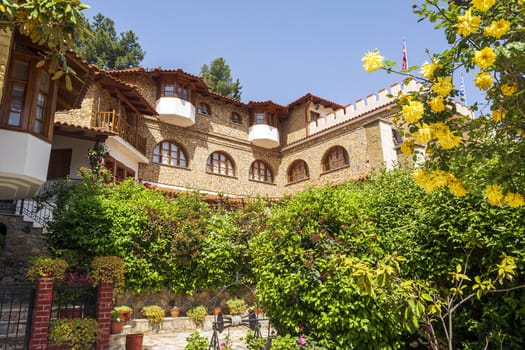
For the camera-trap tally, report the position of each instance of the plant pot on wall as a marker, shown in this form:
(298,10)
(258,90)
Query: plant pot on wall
(117,327)
(175,311)
(134,341)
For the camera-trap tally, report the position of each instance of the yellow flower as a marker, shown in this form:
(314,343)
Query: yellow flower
(485,57)
(445,138)
(407,147)
(421,178)
(483,80)
(483,5)
(497,28)
(433,180)
(372,61)
(494,195)
(508,89)
(498,115)
(413,111)
(457,189)
(443,86)
(468,24)
(514,199)
(423,135)
(428,69)
(437,105)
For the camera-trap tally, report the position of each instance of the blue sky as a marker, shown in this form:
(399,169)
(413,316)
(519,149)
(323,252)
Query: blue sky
(280,49)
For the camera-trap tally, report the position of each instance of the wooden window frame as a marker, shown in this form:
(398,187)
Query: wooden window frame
(180,160)
(298,171)
(261,172)
(220,163)
(335,158)
(32,90)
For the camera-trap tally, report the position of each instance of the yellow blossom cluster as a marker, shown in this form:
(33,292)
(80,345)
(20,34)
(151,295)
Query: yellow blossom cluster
(437,104)
(483,80)
(444,136)
(496,197)
(483,5)
(497,29)
(443,86)
(485,57)
(468,24)
(508,89)
(498,115)
(428,69)
(432,180)
(372,61)
(413,111)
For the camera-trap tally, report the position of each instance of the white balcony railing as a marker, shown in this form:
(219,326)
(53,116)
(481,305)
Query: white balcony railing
(265,136)
(176,111)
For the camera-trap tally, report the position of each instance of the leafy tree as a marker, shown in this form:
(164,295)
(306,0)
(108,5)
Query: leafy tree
(485,154)
(56,24)
(218,77)
(108,50)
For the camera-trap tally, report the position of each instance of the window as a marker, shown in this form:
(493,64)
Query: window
(29,91)
(260,171)
(169,89)
(259,118)
(298,171)
(183,92)
(236,118)
(336,157)
(314,116)
(263,118)
(220,163)
(169,153)
(204,108)
(396,137)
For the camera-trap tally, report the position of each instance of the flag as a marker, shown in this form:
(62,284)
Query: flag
(404,64)
(462,90)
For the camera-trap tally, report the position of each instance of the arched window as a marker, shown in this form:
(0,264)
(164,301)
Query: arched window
(260,171)
(236,118)
(204,108)
(298,171)
(169,153)
(336,157)
(220,163)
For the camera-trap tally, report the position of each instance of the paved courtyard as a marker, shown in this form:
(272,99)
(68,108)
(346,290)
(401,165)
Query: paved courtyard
(177,340)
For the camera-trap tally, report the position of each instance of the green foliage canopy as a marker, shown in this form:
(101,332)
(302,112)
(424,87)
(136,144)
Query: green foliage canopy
(218,77)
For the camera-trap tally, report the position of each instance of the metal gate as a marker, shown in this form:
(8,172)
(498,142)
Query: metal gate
(16,313)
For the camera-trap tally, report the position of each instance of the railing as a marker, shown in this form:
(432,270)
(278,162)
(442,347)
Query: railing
(115,123)
(16,306)
(74,302)
(40,212)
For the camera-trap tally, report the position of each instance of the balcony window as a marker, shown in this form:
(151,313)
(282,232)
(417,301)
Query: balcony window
(169,153)
(220,163)
(335,158)
(260,171)
(263,118)
(298,171)
(183,92)
(168,90)
(314,116)
(28,92)
(204,109)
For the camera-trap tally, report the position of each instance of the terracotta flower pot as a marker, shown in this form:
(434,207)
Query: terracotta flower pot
(116,327)
(217,310)
(134,341)
(175,312)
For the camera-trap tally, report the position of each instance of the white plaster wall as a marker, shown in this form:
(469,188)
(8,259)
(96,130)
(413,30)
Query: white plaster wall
(79,154)
(125,153)
(387,145)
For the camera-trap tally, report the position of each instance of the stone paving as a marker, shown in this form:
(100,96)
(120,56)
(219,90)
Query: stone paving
(177,340)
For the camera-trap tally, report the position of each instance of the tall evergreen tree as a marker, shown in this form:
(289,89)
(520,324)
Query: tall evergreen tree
(218,77)
(108,50)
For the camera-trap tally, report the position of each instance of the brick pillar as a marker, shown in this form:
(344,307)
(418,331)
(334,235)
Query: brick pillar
(42,313)
(104,307)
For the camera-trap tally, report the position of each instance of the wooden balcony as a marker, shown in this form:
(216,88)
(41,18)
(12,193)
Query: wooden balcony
(117,124)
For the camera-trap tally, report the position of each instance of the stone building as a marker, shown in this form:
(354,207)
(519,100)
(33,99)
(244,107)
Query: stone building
(194,139)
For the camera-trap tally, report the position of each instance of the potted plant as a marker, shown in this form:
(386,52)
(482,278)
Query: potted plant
(237,306)
(117,322)
(46,266)
(197,314)
(154,314)
(175,311)
(107,268)
(124,311)
(77,333)
(197,342)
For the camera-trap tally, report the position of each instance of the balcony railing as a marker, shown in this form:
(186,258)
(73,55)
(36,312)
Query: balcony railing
(114,122)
